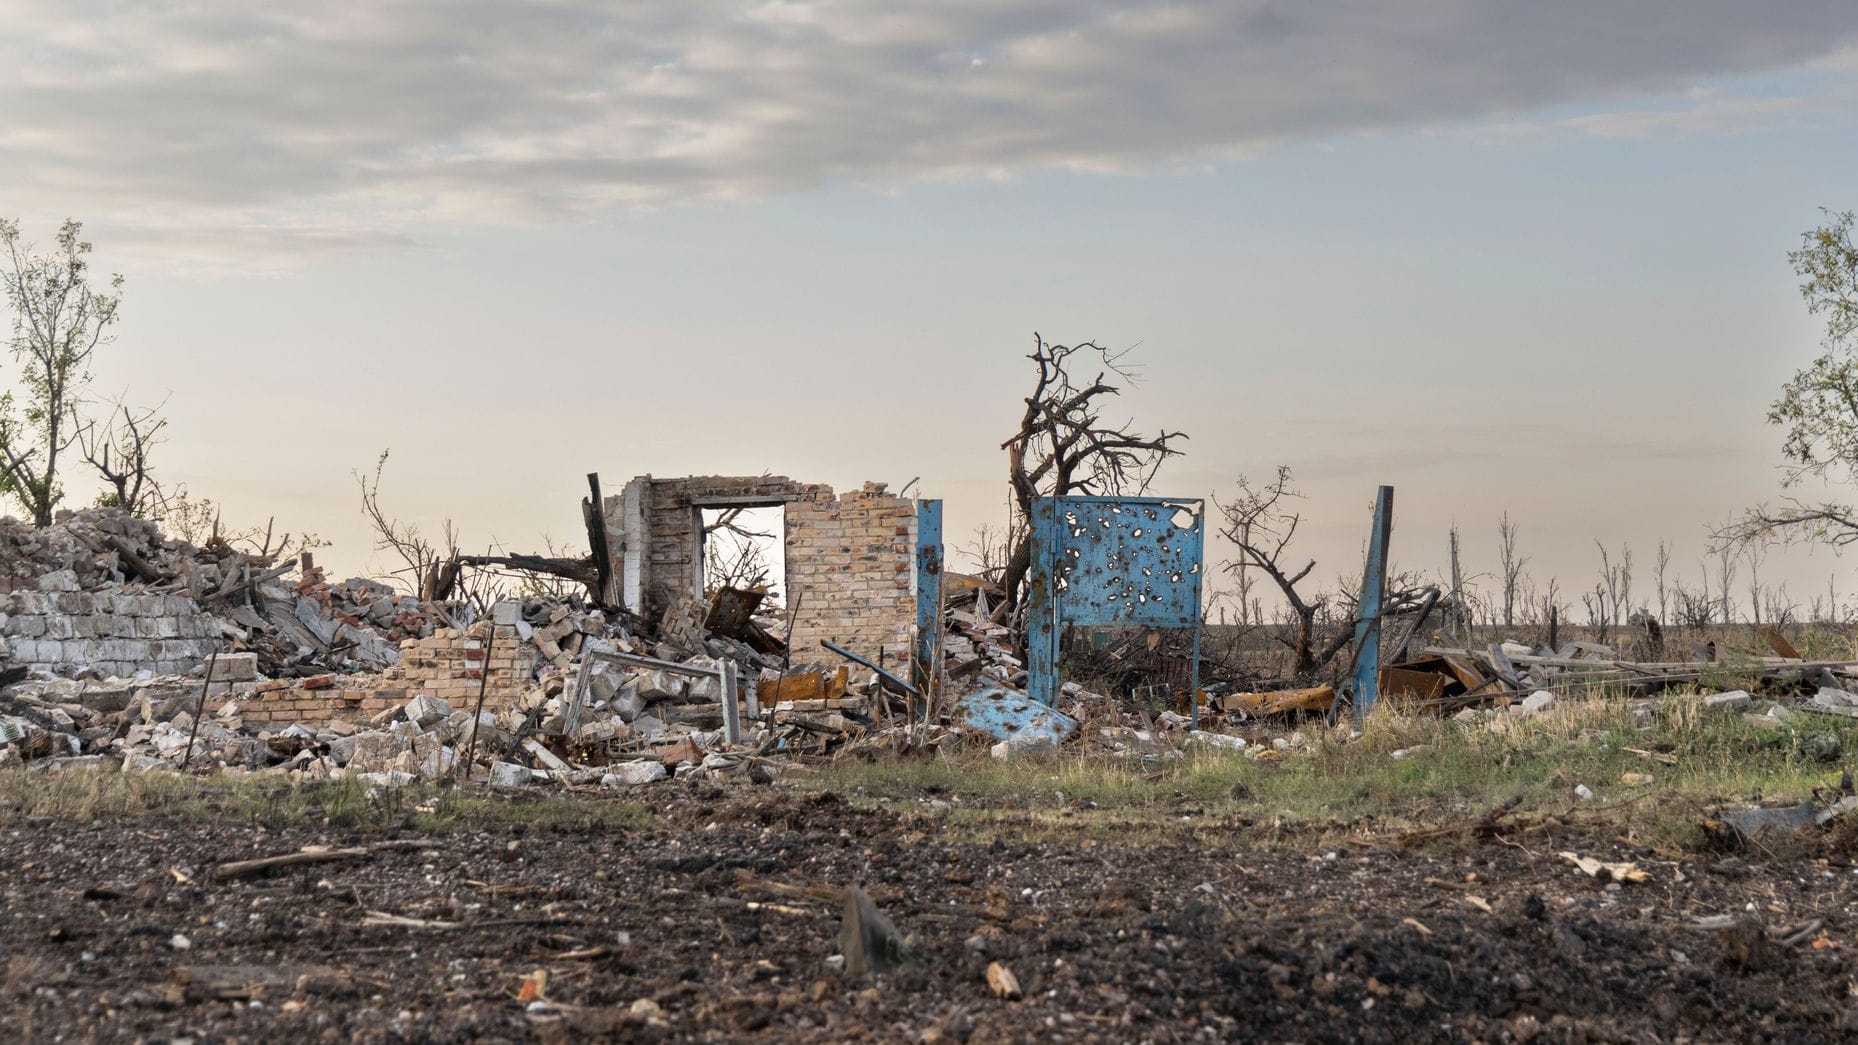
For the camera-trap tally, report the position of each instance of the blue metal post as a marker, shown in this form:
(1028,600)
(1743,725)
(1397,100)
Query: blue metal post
(1042,604)
(1193,679)
(928,593)
(1373,591)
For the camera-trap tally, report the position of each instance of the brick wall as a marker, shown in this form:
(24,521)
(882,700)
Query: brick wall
(116,633)
(851,562)
(450,665)
(669,508)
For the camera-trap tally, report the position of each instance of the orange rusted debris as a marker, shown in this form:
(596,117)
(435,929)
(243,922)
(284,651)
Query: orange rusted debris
(1277,702)
(803,685)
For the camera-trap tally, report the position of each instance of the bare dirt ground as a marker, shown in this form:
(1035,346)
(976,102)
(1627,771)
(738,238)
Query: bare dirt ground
(683,929)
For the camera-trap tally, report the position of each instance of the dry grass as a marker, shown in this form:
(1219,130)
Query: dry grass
(1349,782)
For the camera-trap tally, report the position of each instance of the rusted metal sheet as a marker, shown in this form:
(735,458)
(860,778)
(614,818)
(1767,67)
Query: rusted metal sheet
(1779,643)
(1277,702)
(1412,686)
(803,685)
(1099,561)
(732,610)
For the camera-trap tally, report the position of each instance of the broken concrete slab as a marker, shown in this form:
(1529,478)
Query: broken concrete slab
(509,774)
(424,710)
(1734,700)
(631,774)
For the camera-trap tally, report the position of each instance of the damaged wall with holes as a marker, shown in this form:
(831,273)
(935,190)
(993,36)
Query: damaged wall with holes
(849,559)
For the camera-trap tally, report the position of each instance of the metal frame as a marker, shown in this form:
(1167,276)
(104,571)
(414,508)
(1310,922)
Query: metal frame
(724,672)
(1100,561)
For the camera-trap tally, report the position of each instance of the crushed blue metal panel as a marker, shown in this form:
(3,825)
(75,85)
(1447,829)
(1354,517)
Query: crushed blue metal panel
(1106,561)
(1008,714)
(928,594)
(1368,610)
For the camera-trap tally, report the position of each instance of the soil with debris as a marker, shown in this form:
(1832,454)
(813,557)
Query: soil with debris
(723,928)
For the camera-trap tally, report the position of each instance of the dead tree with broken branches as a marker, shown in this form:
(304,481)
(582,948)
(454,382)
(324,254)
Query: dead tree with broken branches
(1261,526)
(119,451)
(1064,447)
(433,565)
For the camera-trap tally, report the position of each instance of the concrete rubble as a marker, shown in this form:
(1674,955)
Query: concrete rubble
(108,631)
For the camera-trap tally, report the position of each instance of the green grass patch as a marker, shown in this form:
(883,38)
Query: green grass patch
(1451,771)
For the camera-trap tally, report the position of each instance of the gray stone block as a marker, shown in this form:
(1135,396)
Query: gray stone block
(424,710)
(58,580)
(235,667)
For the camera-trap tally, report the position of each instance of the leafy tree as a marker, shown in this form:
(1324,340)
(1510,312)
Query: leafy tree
(59,319)
(1818,407)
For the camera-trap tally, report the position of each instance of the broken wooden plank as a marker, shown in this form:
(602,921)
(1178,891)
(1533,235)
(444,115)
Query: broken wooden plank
(247,868)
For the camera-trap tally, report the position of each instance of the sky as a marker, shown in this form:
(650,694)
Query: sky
(1504,256)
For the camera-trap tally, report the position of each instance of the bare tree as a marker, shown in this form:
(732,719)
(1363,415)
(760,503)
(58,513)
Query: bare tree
(1658,570)
(1550,605)
(1694,609)
(1512,566)
(1755,552)
(196,520)
(119,451)
(1260,524)
(735,556)
(1606,595)
(1595,603)
(1459,617)
(1063,446)
(434,565)
(1726,555)
(1781,609)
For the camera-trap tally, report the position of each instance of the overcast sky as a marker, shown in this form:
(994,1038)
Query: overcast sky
(1504,256)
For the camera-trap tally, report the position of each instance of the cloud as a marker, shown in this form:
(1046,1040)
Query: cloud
(1703,113)
(346,123)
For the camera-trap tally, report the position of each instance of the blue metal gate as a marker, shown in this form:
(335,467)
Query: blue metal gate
(1100,561)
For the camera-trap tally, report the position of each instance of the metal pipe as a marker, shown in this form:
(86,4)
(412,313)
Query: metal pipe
(200,711)
(483,683)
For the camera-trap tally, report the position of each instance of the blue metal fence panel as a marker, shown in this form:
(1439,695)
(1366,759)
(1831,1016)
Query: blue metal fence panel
(1101,561)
